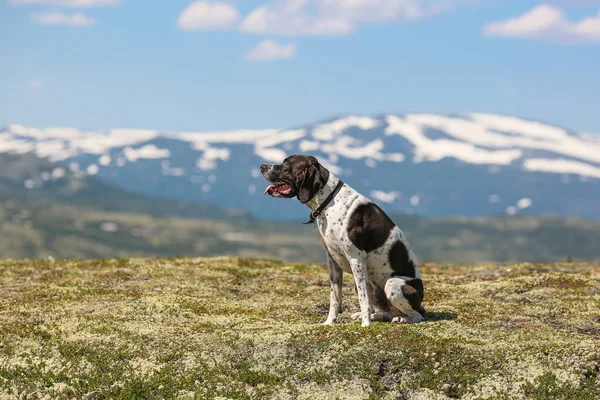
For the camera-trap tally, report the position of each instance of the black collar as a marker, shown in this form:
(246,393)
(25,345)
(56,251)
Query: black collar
(318,211)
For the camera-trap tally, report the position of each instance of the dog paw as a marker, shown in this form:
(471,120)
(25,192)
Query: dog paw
(382,317)
(403,320)
(329,322)
(356,315)
(366,319)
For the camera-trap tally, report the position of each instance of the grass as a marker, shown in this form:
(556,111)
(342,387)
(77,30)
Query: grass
(235,328)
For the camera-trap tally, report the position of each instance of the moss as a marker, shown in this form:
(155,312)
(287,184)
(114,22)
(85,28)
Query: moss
(242,328)
(547,386)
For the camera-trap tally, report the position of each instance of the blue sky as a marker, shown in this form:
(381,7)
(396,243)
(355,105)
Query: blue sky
(184,65)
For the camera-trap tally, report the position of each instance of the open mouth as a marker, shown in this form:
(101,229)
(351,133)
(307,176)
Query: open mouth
(278,190)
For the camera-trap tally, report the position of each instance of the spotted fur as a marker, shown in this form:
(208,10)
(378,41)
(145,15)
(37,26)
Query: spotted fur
(359,239)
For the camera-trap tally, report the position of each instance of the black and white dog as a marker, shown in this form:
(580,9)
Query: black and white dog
(359,238)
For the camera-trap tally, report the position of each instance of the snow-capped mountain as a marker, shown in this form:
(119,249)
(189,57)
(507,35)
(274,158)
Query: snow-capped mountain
(430,164)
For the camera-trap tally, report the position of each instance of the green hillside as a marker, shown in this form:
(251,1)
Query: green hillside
(79,216)
(39,229)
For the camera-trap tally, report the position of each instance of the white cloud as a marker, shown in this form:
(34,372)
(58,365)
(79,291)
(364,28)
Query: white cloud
(36,84)
(204,15)
(292,17)
(546,23)
(378,10)
(337,17)
(67,3)
(270,50)
(60,18)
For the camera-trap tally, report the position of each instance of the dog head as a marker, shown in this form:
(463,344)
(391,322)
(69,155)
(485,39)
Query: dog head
(298,175)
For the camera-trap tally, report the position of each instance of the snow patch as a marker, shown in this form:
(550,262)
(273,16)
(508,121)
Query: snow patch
(58,173)
(395,157)
(173,171)
(270,154)
(474,138)
(508,132)
(167,170)
(307,146)
(334,169)
(40,134)
(280,137)
(209,157)
(494,198)
(149,151)
(104,160)
(53,149)
(206,165)
(93,169)
(386,197)
(435,150)
(524,203)
(561,166)
(8,144)
(214,153)
(347,146)
(247,136)
(332,129)
(517,125)
(62,143)
(109,227)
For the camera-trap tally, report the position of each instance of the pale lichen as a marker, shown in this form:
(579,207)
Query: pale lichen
(241,328)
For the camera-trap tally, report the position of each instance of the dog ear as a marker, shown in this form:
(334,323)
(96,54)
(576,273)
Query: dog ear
(310,182)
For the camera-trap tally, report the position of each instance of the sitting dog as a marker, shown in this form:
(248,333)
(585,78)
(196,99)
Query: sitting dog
(359,238)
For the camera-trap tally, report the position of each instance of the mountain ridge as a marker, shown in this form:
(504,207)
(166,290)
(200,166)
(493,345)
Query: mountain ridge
(426,164)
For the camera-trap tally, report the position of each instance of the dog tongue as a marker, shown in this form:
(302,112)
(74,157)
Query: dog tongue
(270,189)
(276,190)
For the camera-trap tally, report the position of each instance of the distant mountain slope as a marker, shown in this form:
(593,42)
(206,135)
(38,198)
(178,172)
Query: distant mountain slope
(28,177)
(427,164)
(49,210)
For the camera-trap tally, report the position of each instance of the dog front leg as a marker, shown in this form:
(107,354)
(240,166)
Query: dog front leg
(335,290)
(358,263)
